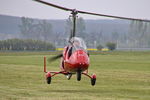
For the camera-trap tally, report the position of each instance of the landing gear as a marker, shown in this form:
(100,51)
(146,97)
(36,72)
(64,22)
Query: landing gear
(93,79)
(48,78)
(79,75)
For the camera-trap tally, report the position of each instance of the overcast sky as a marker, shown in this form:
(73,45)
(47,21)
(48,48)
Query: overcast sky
(28,8)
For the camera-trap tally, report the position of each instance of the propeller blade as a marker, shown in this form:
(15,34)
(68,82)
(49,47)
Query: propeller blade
(55,57)
(89,13)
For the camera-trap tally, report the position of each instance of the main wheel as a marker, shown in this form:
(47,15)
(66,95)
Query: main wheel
(79,75)
(93,80)
(48,77)
(48,80)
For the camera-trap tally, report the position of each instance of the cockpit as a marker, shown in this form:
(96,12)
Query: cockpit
(78,44)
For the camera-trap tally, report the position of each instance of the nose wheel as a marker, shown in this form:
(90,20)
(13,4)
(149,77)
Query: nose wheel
(79,75)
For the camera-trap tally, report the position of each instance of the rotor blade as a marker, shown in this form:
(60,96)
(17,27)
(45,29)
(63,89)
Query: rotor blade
(53,5)
(55,57)
(90,13)
(127,18)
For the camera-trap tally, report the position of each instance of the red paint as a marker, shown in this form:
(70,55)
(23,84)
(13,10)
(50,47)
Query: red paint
(48,74)
(77,61)
(45,64)
(94,76)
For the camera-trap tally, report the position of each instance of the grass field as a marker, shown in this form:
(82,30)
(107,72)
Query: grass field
(120,76)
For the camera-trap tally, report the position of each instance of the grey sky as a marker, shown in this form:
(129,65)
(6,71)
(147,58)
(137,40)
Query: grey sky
(29,8)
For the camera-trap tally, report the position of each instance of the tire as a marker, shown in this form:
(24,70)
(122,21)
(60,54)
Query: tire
(48,80)
(93,81)
(78,75)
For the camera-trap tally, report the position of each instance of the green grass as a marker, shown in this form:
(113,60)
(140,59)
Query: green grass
(120,76)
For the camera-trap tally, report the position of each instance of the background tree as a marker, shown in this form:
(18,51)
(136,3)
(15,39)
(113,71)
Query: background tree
(99,47)
(46,30)
(111,46)
(80,29)
(69,26)
(26,27)
(37,30)
(139,34)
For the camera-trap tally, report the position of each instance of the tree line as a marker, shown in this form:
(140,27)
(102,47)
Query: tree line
(137,35)
(25,44)
(35,29)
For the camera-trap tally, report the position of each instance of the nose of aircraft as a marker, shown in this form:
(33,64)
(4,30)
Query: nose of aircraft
(81,56)
(81,59)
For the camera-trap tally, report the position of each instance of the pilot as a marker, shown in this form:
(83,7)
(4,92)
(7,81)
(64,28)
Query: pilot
(76,44)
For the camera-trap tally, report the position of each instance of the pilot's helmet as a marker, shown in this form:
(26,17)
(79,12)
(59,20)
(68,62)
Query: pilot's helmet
(76,43)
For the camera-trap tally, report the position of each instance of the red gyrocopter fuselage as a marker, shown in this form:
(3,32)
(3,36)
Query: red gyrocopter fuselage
(74,60)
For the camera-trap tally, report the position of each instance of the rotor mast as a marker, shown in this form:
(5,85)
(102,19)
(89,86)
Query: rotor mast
(74,16)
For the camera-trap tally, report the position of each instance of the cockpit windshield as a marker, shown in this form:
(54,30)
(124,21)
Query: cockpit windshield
(78,43)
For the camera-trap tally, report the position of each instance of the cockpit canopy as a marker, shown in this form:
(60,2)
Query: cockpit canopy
(78,43)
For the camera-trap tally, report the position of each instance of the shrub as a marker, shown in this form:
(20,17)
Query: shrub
(28,44)
(111,46)
(99,47)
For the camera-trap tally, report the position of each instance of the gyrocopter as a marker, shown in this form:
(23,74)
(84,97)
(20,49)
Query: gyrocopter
(75,57)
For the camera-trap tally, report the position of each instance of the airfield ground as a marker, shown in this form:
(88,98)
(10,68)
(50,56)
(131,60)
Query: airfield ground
(120,76)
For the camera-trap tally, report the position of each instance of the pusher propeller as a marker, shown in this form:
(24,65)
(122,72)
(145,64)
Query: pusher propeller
(55,57)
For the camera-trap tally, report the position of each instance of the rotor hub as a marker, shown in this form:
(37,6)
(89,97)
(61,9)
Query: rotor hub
(74,12)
